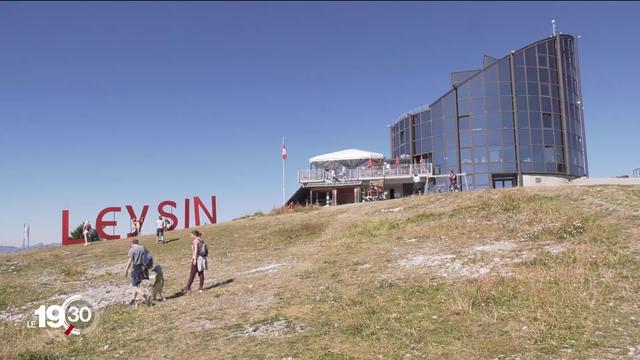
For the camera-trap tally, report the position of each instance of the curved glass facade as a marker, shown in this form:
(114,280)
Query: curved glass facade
(519,115)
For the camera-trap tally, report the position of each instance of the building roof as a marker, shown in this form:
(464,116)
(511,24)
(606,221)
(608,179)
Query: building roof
(348,157)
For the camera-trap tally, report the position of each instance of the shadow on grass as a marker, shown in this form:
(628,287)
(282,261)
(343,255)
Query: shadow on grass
(171,240)
(182,293)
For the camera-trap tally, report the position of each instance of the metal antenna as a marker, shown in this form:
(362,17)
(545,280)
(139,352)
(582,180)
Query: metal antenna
(553,27)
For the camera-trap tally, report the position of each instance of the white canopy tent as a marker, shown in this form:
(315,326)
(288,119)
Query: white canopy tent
(350,158)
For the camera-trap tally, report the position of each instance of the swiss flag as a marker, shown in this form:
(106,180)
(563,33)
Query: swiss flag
(284,152)
(397,161)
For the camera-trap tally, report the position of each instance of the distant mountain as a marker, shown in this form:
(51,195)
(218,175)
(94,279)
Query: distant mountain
(10,249)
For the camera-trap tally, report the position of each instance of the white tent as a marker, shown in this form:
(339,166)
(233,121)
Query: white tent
(350,158)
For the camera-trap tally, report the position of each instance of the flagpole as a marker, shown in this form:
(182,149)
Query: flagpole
(283,204)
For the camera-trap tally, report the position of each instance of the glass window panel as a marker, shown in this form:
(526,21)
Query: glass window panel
(542,60)
(478,121)
(480,155)
(544,89)
(530,56)
(521,88)
(495,154)
(508,137)
(534,103)
(464,122)
(481,180)
(556,122)
(548,137)
(523,120)
(552,63)
(518,59)
(466,156)
(493,137)
(521,103)
(506,104)
(544,75)
(491,89)
(491,104)
(532,88)
(520,73)
(493,121)
(491,73)
(538,153)
(555,106)
(525,154)
(509,155)
(551,46)
(535,120)
(504,70)
(532,74)
(553,77)
(546,104)
(547,121)
(557,137)
(526,167)
(536,136)
(559,154)
(476,86)
(555,92)
(523,136)
(507,120)
(477,105)
(479,138)
(542,48)
(539,167)
(505,88)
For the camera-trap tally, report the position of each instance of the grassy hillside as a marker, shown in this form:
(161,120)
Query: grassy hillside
(519,273)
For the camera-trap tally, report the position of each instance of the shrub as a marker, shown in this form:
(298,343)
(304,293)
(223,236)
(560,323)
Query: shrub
(76,234)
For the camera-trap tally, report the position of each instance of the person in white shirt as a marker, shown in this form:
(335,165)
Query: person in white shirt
(159,230)
(416,184)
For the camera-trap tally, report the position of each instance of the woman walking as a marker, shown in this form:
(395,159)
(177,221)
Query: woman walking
(199,254)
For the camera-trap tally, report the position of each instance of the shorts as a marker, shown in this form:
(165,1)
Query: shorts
(159,232)
(136,275)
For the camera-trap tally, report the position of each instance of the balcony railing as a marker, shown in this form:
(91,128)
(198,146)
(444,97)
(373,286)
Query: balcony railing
(391,171)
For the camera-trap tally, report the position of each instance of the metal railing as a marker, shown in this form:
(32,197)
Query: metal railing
(390,171)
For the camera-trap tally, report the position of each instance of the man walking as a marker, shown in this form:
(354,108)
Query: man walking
(136,261)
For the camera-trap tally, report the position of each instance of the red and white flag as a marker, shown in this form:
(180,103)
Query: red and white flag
(284,152)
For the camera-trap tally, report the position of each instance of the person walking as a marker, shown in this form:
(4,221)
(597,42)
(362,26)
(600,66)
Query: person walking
(159,230)
(453,181)
(136,264)
(86,228)
(416,184)
(199,253)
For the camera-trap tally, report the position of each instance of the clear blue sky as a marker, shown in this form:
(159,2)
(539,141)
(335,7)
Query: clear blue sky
(105,104)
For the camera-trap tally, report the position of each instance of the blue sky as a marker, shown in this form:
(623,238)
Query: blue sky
(110,104)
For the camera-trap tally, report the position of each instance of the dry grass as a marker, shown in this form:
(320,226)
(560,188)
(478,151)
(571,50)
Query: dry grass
(324,283)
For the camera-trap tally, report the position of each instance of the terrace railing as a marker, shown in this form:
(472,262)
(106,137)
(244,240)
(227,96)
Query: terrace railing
(374,173)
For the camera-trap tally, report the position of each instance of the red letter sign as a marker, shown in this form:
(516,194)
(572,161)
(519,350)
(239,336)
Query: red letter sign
(162,212)
(197,205)
(101,224)
(66,240)
(132,215)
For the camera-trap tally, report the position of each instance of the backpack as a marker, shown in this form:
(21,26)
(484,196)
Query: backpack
(204,250)
(147,259)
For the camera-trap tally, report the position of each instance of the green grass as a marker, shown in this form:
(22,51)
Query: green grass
(341,283)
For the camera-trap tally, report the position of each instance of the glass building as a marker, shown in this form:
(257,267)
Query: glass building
(517,121)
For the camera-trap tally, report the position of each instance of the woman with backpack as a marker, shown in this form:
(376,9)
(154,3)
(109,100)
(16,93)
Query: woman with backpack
(199,252)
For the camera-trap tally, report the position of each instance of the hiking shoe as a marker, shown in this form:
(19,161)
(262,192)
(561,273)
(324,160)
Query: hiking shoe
(200,291)
(132,303)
